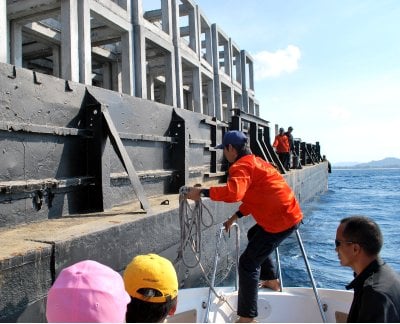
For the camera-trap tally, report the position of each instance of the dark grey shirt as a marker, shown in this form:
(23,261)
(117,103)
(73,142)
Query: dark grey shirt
(376,295)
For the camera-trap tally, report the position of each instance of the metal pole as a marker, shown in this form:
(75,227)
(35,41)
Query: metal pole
(278,262)
(237,255)
(212,282)
(221,230)
(311,276)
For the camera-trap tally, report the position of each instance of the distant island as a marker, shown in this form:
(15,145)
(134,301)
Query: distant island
(389,162)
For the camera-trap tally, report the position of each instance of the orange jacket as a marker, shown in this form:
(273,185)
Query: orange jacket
(281,143)
(264,194)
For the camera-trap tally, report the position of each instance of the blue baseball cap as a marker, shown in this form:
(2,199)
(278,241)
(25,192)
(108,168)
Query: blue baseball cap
(234,138)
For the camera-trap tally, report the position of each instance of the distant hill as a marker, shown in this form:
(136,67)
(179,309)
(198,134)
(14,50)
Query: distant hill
(389,162)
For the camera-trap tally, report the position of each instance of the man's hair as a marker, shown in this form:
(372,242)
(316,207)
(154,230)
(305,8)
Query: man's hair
(364,231)
(139,311)
(242,150)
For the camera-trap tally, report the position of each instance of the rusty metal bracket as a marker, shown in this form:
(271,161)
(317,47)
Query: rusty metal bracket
(126,161)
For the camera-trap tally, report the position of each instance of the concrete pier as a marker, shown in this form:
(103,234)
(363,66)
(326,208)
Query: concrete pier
(107,108)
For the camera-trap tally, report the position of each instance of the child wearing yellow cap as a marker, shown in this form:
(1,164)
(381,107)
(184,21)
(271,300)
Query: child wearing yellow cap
(152,283)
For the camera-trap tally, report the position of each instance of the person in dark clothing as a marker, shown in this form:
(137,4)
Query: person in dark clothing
(291,147)
(376,285)
(324,159)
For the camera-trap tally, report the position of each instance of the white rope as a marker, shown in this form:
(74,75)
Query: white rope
(190,221)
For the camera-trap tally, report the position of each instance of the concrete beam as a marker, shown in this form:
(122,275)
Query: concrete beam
(37,29)
(104,35)
(36,50)
(18,9)
(104,54)
(118,21)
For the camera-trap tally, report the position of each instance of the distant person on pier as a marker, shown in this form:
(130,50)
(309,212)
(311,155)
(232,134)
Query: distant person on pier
(376,285)
(87,292)
(152,283)
(263,193)
(281,144)
(291,147)
(324,159)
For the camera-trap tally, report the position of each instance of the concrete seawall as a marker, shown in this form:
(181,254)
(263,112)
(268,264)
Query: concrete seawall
(31,256)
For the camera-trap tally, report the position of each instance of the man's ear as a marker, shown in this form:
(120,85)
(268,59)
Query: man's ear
(356,248)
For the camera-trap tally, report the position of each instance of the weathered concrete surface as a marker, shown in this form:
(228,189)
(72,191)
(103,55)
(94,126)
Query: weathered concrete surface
(31,256)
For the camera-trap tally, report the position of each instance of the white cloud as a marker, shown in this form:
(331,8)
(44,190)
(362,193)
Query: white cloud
(268,64)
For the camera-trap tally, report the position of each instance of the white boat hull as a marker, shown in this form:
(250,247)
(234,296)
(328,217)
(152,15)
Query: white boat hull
(292,305)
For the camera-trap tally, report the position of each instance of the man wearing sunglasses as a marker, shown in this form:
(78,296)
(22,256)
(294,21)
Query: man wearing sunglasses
(376,285)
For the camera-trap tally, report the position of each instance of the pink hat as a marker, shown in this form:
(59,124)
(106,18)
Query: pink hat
(87,292)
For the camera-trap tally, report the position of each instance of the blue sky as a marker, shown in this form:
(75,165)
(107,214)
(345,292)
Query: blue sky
(330,69)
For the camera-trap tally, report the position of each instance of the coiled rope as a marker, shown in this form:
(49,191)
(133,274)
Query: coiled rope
(190,220)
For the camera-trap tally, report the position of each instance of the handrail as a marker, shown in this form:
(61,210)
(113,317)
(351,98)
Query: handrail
(212,282)
(278,262)
(321,310)
(237,246)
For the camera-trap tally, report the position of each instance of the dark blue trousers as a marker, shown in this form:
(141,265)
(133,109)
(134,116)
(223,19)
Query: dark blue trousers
(254,264)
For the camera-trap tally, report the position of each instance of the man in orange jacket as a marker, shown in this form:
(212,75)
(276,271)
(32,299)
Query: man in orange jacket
(282,146)
(265,195)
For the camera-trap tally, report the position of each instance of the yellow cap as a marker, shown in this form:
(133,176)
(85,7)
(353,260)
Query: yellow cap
(151,271)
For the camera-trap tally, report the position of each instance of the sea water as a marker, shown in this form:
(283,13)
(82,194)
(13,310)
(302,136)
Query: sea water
(370,192)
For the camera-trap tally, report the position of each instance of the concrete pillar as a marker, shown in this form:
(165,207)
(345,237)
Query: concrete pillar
(150,87)
(166,15)
(140,62)
(196,90)
(136,12)
(107,76)
(217,82)
(85,46)
(177,56)
(3,32)
(128,65)
(56,61)
(251,75)
(16,44)
(245,98)
(170,97)
(115,73)
(69,40)
(229,105)
(193,26)
(217,97)
(211,99)
(208,41)
(227,59)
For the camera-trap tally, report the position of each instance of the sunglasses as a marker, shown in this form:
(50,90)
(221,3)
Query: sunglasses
(338,243)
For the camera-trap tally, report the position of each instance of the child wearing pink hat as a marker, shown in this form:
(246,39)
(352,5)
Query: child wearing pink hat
(87,292)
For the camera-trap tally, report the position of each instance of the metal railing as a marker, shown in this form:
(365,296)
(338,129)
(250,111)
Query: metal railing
(217,256)
(216,259)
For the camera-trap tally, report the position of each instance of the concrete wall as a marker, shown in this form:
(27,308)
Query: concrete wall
(32,256)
